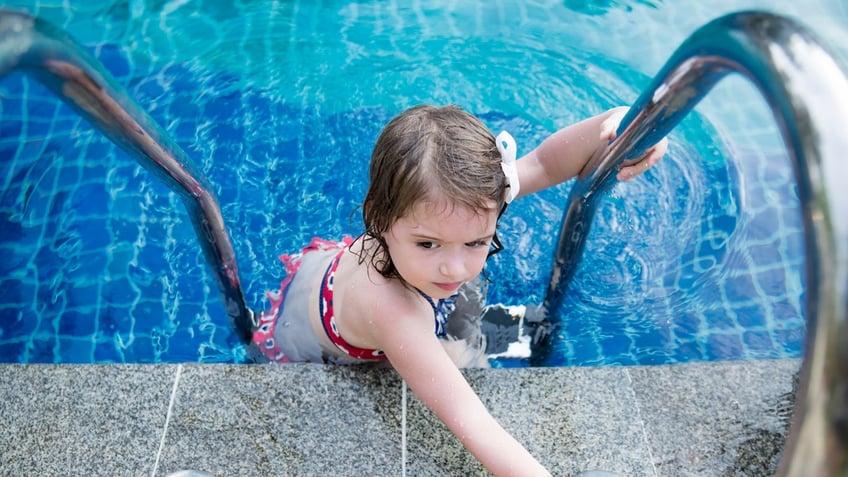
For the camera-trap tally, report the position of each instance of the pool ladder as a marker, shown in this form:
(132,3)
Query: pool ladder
(57,61)
(808,93)
(804,85)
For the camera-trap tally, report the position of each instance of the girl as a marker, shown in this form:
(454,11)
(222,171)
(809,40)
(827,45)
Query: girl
(439,181)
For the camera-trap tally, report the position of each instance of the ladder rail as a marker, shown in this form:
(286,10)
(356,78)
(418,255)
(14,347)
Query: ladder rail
(48,54)
(807,91)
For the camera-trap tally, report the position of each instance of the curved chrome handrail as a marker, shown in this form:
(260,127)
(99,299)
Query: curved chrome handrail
(808,93)
(56,60)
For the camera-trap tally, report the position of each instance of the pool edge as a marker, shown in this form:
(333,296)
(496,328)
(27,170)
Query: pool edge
(692,419)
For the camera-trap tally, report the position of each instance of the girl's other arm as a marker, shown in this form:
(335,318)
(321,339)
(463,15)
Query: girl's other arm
(563,154)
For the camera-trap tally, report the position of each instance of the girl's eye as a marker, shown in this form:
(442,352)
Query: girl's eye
(427,245)
(478,243)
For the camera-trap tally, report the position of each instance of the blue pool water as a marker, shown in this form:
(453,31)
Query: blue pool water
(279,104)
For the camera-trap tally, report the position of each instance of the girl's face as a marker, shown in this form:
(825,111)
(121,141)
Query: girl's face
(437,248)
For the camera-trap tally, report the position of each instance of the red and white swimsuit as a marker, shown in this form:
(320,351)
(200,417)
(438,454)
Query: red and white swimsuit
(263,336)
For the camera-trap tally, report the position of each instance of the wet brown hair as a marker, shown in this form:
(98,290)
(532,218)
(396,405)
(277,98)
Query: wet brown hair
(431,154)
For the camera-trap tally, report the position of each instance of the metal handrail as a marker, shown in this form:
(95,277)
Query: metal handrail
(808,93)
(48,54)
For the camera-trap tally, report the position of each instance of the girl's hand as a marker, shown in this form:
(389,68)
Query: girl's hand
(652,156)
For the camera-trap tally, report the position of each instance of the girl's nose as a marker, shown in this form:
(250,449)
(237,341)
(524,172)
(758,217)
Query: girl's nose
(453,266)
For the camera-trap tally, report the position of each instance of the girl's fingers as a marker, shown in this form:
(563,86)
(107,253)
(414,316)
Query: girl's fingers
(651,158)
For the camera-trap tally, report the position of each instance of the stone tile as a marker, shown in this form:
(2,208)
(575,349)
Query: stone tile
(298,419)
(82,420)
(719,419)
(571,419)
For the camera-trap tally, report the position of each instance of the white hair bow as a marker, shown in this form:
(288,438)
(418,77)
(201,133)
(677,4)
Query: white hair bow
(506,146)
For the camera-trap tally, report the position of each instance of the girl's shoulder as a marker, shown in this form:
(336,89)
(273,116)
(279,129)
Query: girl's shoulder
(380,293)
(378,298)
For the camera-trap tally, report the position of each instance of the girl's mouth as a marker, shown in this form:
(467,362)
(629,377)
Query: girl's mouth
(449,287)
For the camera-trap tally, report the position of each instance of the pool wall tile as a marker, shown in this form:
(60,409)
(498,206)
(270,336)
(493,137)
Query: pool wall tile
(299,419)
(82,420)
(714,419)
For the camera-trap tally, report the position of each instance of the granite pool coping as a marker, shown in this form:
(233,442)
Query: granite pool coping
(707,419)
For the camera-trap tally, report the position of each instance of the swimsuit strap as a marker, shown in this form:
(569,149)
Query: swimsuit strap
(441,311)
(325,309)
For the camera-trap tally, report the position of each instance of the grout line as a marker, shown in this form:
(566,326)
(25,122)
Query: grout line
(167,418)
(642,422)
(403,431)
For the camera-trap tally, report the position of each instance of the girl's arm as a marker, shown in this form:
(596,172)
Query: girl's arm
(563,154)
(419,358)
